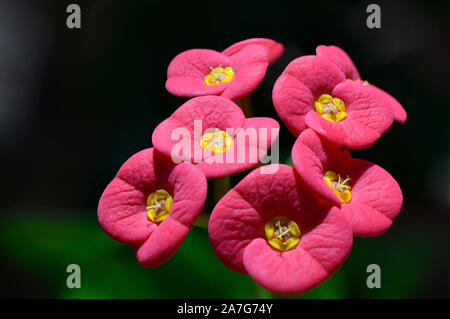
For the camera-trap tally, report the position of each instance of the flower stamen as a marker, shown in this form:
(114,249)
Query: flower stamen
(219,75)
(338,185)
(330,108)
(158,205)
(282,233)
(217,141)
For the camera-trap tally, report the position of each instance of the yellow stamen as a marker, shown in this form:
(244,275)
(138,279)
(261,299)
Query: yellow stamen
(158,205)
(217,141)
(282,233)
(219,75)
(339,186)
(330,108)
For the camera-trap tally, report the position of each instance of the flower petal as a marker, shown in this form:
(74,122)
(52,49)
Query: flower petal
(234,223)
(162,243)
(179,129)
(312,157)
(376,198)
(187,71)
(275,49)
(236,230)
(318,74)
(251,143)
(320,252)
(122,214)
(399,112)
(292,100)
(368,117)
(189,189)
(339,57)
(122,208)
(139,171)
(250,66)
(287,273)
(330,241)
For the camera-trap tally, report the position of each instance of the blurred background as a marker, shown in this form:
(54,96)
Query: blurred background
(76,103)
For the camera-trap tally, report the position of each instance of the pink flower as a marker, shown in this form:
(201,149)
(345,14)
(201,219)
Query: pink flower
(151,204)
(367,195)
(313,92)
(213,133)
(275,49)
(339,57)
(272,228)
(200,72)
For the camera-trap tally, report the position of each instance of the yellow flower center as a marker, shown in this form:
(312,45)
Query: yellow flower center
(339,185)
(158,205)
(219,75)
(217,141)
(282,233)
(330,108)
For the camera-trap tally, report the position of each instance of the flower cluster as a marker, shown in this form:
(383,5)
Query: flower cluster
(289,228)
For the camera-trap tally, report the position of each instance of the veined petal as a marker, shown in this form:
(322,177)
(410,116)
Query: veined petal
(313,157)
(292,101)
(318,74)
(275,49)
(208,112)
(187,71)
(122,211)
(250,66)
(339,57)
(238,223)
(399,112)
(377,195)
(367,117)
(251,142)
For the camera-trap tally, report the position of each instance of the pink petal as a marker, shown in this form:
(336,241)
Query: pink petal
(162,243)
(189,189)
(275,49)
(376,198)
(139,170)
(122,214)
(318,74)
(292,100)
(189,86)
(186,72)
(236,231)
(340,58)
(233,224)
(312,157)
(399,112)
(320,252)
(251,143)
(368,116)
(366,221)
(250,66)
(122,208)
(277,192)
(213,111)
(287,273)
(330,241)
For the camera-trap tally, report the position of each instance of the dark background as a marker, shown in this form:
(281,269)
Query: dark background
(75,104)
